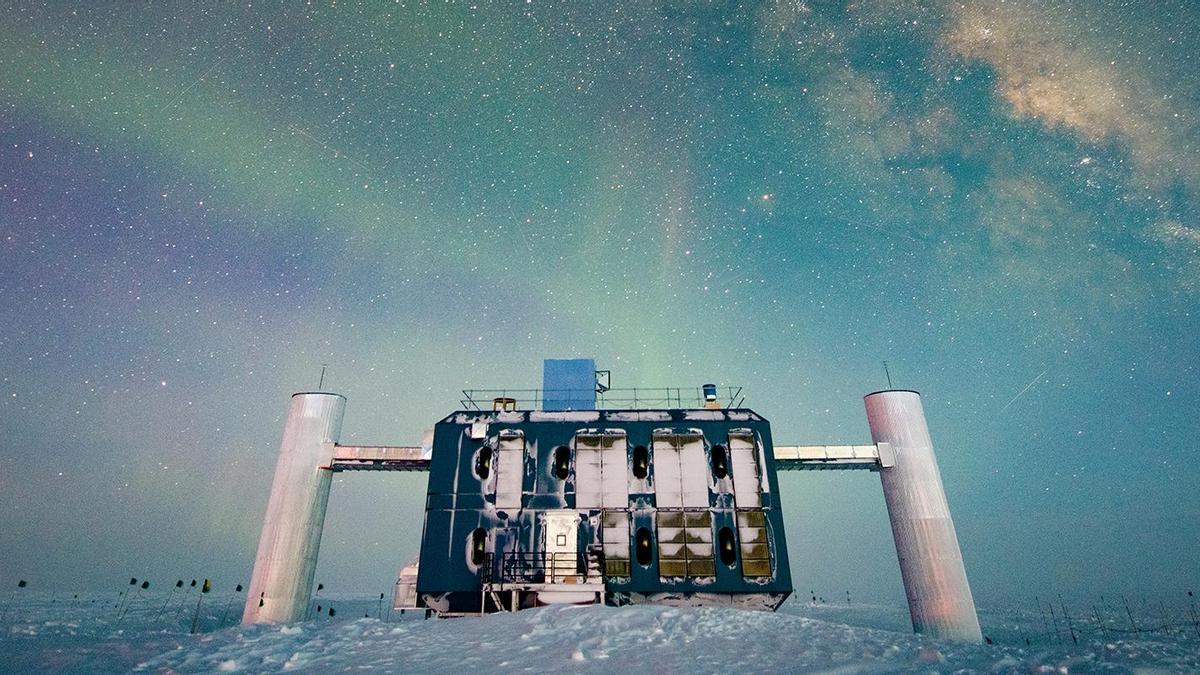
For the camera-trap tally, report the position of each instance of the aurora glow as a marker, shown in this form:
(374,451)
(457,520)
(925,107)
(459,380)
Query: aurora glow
(200,205)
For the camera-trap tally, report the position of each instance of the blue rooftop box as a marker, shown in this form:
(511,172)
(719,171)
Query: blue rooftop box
(568,384)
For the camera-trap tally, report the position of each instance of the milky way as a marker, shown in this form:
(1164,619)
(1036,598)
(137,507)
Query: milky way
(200,206)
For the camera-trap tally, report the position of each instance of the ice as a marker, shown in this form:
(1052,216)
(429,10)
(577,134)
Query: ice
(41,634)
(638,416)
(704,415)
(564,416)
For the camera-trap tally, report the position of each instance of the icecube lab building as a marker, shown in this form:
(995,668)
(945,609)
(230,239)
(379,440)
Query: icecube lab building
(605,496)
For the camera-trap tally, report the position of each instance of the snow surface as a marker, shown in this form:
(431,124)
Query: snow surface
(42,633)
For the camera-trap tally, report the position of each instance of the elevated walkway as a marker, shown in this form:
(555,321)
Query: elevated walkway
(787,457)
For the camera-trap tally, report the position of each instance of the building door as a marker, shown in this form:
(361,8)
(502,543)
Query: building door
(560,545)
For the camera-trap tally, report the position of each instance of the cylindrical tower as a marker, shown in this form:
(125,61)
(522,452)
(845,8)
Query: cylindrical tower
(939,597)
(281,585)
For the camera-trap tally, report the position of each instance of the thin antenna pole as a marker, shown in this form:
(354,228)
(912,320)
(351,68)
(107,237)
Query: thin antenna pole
(321,384)
(888,374)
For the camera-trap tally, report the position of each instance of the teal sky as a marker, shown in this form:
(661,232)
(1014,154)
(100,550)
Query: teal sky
(201,204)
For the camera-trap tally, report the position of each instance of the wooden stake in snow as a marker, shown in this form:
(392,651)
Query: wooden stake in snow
(170,597)
(183,602)
(20,584)
(203,590)
(144,586)
(1192,609)
(1103,630)
(1129,613)
(123,597)
(230,602)
(1054,620)
(1067,616)
(1045,626)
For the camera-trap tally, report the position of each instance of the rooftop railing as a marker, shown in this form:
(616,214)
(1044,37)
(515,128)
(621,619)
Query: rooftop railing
(637,398)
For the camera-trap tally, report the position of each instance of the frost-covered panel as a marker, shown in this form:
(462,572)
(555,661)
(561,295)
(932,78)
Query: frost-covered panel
(744,461)
(588,471)
(693,471)
(614,534)
(510,470)
(667,488)
(615,471)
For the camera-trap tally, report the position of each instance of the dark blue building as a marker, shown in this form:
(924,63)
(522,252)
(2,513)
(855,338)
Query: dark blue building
(675,506)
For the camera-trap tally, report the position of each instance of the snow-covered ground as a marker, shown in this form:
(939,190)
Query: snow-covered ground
(62,633)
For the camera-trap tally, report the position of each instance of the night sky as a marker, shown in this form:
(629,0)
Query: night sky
(201,204)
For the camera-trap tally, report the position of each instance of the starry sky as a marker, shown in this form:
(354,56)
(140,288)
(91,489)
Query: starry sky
(201,204)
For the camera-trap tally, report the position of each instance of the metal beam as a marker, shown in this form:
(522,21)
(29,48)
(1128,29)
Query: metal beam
(379,458)
(833,457)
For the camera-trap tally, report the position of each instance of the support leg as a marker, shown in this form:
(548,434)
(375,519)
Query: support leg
(935,581)
(281,585)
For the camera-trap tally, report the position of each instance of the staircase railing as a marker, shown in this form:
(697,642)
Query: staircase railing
(525,567)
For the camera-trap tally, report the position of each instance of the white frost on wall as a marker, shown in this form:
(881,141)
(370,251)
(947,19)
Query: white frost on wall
(638,416)
(693,470)
(565,416)
(510,469)
(601,469)
(742,455)
(667,488)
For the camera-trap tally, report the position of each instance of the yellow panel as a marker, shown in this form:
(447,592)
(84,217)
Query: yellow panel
(697,518)
(672,568)
(615,519)
(616,568)
(756,568)
(670,518)
(696,535)
(701,567)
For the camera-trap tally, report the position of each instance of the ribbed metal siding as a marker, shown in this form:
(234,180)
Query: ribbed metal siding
(935,581)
